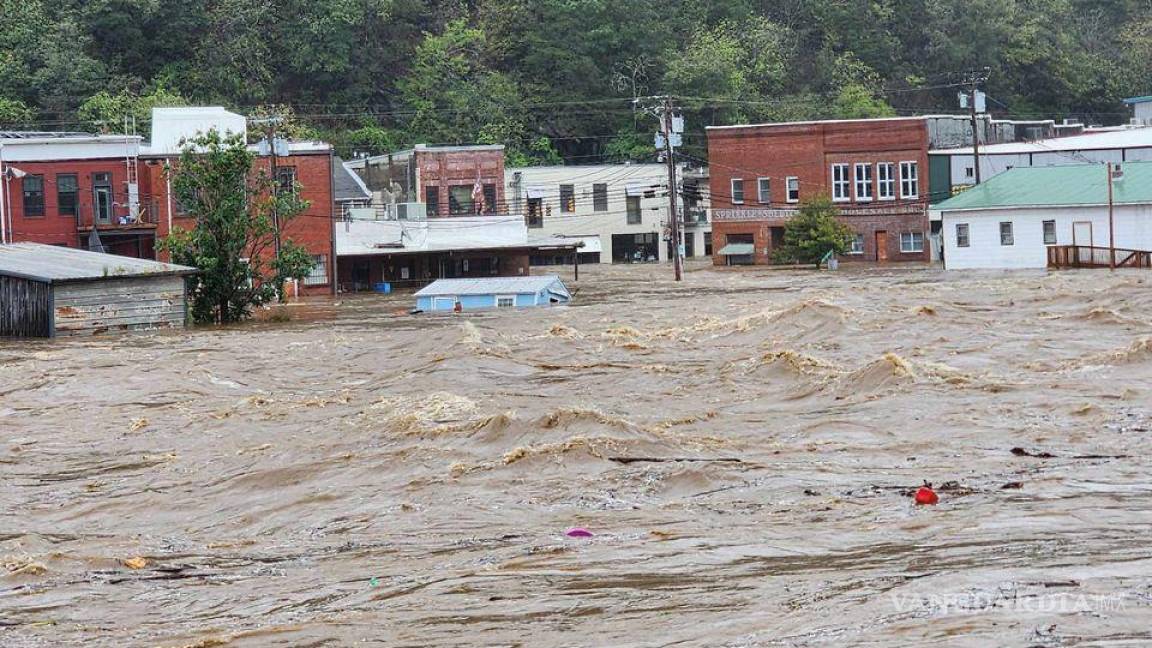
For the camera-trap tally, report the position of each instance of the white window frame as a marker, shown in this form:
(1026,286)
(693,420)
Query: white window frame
(314,279)
(911,248)
(1044,232)
(764,190)
(732,186)
(910,180)
(501,297)
(886,181)
(1011,234)
(788,189)
(841,182)
(853,248)
(862,180)
(967,235)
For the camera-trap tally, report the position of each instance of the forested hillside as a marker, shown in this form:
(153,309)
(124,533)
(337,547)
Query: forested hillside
(554,78)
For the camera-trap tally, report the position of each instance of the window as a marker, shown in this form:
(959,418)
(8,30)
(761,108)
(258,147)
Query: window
(912,242)
(506,301)
(67,191)
(489,199)
(1049,232)
(1006,233)
(961,234)
(840,183)
(432,199)
(567,199)
(969,172)
(863,182)
(535,213)
(909,180)
(857,246)
(600,197)
(707,243)
(764,190)
(286,179)
(886,181)
(460,200)
(793,189)
(737,191)
(634,215)
(33,195)
(319,274)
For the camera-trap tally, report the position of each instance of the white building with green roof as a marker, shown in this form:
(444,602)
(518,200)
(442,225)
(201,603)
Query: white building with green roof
(1011,220)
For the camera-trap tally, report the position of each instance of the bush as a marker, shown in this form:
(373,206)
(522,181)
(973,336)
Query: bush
(814,232)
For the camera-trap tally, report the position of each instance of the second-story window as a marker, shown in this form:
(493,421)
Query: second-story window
(793,189)
(909,180)
(633,208)
(286,179)
(886,181)
(567,199)
(33,196)
(863,182)
(432,199)
(600,197)
(764,190)
(535,213)
(490,206)
(460,200)
(840,183)
(67,192)
(737,191)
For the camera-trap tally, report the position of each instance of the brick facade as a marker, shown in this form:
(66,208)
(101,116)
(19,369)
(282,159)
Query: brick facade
(158,213)
(439,170)
(807,152)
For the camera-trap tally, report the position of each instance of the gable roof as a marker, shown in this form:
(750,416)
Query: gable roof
(54,264)
(346,185)
(495,286)
(1079,184)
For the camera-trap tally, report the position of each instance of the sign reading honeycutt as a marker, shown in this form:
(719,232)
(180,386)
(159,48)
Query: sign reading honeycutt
(785,214)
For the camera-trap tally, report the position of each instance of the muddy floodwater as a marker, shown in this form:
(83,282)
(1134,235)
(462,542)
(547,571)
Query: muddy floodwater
(742,447)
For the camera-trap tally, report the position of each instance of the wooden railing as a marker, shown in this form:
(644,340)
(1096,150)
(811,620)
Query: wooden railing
(1084,256)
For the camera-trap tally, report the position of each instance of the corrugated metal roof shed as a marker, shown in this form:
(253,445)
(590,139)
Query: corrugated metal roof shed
(1080,184)
(493,286)
(53,264)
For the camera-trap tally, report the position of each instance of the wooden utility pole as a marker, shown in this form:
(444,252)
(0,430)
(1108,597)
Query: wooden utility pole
(673,191)
(973,90)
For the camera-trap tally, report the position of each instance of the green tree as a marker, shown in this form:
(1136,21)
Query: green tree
(104,112)
(234,240)
(813,232)
(14,113)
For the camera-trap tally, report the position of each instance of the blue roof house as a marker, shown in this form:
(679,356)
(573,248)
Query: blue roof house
(494,292)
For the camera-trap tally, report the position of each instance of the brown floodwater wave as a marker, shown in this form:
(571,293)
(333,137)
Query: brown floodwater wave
(742,446)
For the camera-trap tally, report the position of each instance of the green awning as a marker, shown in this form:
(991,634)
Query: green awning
(738,249)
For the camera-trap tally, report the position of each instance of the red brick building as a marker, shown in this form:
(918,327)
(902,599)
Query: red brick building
(874,170)
(442,178)
(58,188)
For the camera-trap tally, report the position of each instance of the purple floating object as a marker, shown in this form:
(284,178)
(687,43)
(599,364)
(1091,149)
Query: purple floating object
(579,533)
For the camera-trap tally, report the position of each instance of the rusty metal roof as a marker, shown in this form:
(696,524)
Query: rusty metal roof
(54,264)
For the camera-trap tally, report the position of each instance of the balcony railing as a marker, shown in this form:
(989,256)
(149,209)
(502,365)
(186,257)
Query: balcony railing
(120,217)
(1083,256)
(694,216)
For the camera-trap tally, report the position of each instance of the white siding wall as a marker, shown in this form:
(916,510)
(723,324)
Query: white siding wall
(993,165)
(586,221)
(1133,231)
